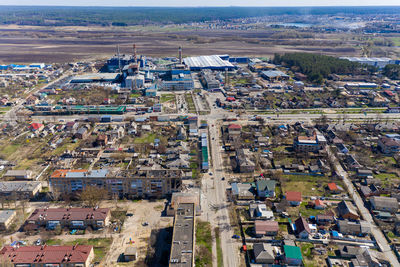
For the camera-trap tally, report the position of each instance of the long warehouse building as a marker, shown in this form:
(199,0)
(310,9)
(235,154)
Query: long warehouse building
(213,62)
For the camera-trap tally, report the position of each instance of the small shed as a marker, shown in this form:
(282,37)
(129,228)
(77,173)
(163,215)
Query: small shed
(130,254)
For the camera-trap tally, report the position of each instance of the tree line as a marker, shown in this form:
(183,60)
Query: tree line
(392,71)
(317,67)
(121,16)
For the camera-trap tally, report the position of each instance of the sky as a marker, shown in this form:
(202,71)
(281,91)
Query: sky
(202,2)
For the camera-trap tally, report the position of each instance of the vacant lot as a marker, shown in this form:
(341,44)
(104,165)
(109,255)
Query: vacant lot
(306,184)
(21,44)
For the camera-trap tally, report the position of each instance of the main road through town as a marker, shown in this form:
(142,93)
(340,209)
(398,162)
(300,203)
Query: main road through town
(376,232)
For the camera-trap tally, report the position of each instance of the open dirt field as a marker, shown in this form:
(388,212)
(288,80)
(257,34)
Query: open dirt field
(22,44)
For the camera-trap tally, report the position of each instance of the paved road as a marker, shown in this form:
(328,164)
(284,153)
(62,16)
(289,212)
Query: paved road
(376,232)
(216,204)
(220,200)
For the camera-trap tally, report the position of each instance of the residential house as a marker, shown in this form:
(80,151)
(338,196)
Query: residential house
(181,162)
(302,228)
(369,190)
(71,126)
(101,140)
(354,228)
(36,127)
(388,145)
(82,133)
(292,256)
(263,253)
(242,191)
(324,219)
(319,204)
(309,144)
(346,210)
(342,148)
(260,211)
(333,188)
(31,100)
(44,256)
(243,163)
(234,129)
(7,218)
(265,188)
(364,173)
(389,204)
(293,197)
(347,251)
(266,228)
(352,163)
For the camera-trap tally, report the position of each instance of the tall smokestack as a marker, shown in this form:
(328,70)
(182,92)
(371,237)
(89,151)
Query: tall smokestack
(119,59)
(134,53)
(226,78)
(180,54)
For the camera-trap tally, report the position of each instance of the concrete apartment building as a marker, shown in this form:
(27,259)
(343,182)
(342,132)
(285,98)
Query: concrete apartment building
(44,256)
(144,183)
(17,190)
(6,218)
(73,218)
(309,144)
(18,175)
(182,248)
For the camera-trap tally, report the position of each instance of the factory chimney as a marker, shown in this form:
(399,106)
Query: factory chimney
(119,59)
(134,54)
(180,54)
(226,79)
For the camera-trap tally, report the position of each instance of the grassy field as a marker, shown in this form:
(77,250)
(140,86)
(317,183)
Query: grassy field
(203,244)
(100,245)
(308,185)
(167,97)
(135,95)
(387,178)
(66,145)
(307,254)
(396,41)
(220,259)
(309,212)
(190,103)
(145,139)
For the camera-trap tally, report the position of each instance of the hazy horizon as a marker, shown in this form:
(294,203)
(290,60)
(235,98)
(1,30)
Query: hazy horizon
(204,3)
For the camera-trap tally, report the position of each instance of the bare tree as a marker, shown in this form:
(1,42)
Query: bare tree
(92,195)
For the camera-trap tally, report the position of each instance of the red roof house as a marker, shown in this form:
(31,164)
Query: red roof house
(293,197)
(333,188)
(36,127)
(262,227)
(319,204)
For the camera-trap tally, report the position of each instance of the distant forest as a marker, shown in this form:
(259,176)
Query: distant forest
(317,67)
(392,71)
(124,16)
